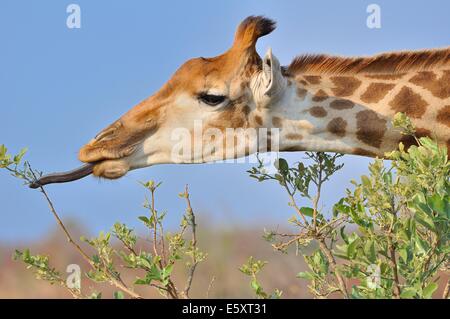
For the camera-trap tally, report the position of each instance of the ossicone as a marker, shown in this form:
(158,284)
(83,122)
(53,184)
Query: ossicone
(250,30)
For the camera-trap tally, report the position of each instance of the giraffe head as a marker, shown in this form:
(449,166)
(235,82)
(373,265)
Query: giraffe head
(216,93)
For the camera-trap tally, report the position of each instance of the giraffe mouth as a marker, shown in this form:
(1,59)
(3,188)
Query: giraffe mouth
(110,169)
(64,177)
(101,162)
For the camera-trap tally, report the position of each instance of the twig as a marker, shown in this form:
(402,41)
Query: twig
(324,248)
(113,281)
(392,258)
(60,223)
(317,197)
(446,290)
(282,245)
(338,221)
(426,265)
(171,289)
(393,262)
(155,222)
(294,204)
(191,270)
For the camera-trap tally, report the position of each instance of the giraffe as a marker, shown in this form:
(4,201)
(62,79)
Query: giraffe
(317,103)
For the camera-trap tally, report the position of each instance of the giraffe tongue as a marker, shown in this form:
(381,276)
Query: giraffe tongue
(64,177)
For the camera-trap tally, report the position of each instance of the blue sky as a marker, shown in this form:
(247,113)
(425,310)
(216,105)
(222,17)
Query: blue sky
(60,86)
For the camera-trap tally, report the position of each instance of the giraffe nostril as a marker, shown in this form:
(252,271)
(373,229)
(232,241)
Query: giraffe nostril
(103,135)
(108,133)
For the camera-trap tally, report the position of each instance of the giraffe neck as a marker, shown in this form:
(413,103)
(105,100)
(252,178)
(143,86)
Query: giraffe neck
(352,114)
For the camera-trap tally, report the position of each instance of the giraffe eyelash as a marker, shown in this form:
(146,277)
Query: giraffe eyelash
(211,99)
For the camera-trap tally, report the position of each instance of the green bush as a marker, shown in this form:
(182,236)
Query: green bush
(156,261)
(389,234)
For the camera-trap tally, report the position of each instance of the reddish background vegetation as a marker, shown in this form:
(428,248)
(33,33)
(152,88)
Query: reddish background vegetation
(227,250)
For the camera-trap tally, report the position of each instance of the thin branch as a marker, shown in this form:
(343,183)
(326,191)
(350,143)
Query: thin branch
(324,248)
(392,257)
(191,270)
(317,197)
(393,262)
(155,222)
(171,289)
(60,223)
(113,281)
(294,204)
(446,290)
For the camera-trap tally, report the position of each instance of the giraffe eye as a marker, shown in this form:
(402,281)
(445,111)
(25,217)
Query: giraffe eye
(211,99)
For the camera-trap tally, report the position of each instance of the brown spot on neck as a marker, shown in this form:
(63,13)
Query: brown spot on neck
(439,87)
(376,91)
(313,79)
(344,85)
(293,148)
(337,126)
(370,128)
(409,102)
(320,96)
(341,104)
(294,136)
(258,119)
(235,116)
(301,93)
(363,152)
(443,115)
(318,111)
(277,121)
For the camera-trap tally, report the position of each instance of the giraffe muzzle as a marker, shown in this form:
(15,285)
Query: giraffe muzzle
(63,177)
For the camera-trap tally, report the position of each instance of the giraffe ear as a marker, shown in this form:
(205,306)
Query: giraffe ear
(273,79)
(250,30)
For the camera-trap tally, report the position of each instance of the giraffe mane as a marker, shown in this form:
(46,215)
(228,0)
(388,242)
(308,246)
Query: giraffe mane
(390,62)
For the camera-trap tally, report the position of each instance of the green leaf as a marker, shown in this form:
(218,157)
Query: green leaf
(421,245)
(3,150)
(428,291)
(369,251)
(307,211)
(351,249)
(403,253)
(141,281)
(282,165)
(343,235)
(425,220)
(118,295)
(255,285)
(305,275)
(408,292)
(145,219)
(144,262)
(365,181)
(19,156)
(439,204)
(165,272)
(95,295)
